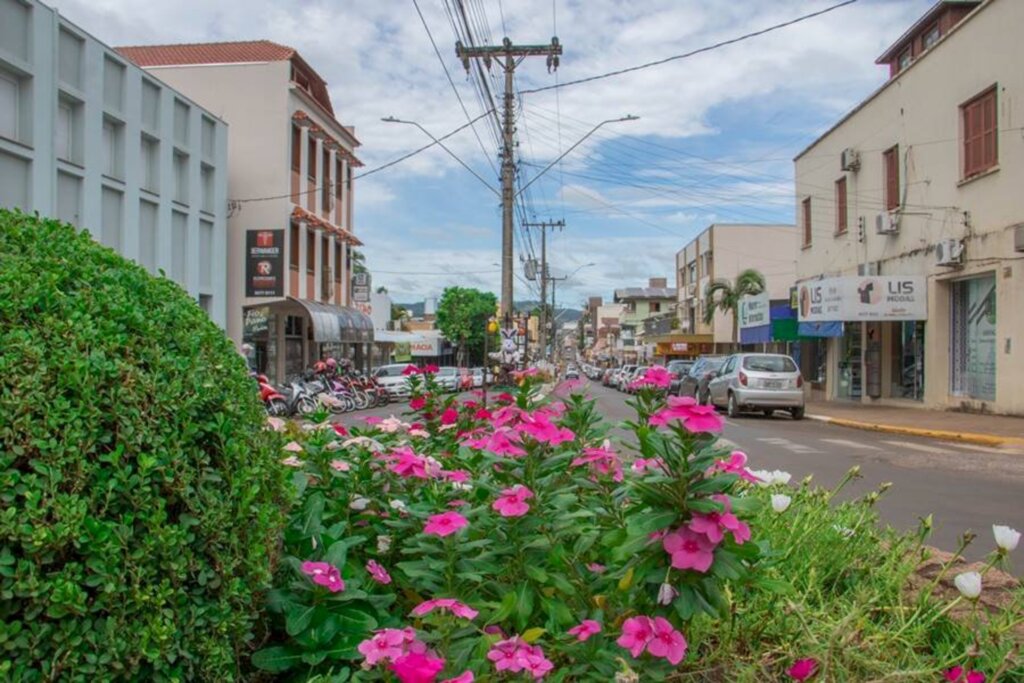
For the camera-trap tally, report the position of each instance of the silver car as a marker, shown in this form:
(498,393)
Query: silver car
(758,381)
(391,378)
(447,378)
(622,378)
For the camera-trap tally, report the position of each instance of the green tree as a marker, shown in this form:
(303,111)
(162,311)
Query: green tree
(357,261)
(724,296)
(462,316)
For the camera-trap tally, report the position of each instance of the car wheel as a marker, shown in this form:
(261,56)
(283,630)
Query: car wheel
(732,408)
(768,412)
(797,413)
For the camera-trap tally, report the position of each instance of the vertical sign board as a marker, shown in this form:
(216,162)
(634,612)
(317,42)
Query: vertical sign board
(264,263)
(754,311)
(361,287)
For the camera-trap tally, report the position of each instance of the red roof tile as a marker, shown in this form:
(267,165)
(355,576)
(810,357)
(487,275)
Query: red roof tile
(207,53)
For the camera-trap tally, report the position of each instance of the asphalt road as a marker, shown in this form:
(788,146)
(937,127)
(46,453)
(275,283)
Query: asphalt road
(963,486)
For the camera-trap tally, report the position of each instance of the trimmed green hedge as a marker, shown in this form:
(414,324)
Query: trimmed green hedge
(140,495)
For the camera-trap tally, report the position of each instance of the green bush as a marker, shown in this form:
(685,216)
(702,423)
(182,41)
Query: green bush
(140,496)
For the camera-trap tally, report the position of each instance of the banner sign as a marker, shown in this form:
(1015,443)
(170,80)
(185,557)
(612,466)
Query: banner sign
(264,263)
(877,297)
(754,310)
(256,321)
(360,287)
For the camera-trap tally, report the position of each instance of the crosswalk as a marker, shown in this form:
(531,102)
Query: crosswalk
(817,445)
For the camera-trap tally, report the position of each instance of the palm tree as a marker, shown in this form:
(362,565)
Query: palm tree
(725,296)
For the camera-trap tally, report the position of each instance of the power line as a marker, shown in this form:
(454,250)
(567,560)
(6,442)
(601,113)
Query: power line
(447,272)
(698,51)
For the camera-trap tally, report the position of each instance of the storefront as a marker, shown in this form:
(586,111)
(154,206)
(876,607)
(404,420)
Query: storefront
(289,335)
(875,327)
(973,338)
(682,346)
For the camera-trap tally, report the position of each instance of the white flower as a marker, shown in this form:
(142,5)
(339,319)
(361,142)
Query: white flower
(666,594)
(844,531)
(292,461)
(770,478)
(399,505)
(1006,538)
(780,502)
(781,477)
(292,447)
(462,486)
(969,584)
(359,503)
(383,543)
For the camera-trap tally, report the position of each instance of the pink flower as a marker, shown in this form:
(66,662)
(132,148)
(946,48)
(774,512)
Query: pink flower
(410,370)
(409,464)
(585,629)
(450,416)
(596,568)
(482,414)
(667,642)
(542,429)
(457,503)
(636,633)
(275,423)
(703,419)
(656,376)
(603,462)
(417,403)
(958,675)
(641,465)
(512,501)
(736,464)
(340,466)
(715,524)
(695,418)
(502,443)
(802,669)
(444,524)
(458,476)
(387,644)
(457,608)
(373,420)
(293,447)
(417,667)
(339,429)
(464,677)
(536,663)
(429,369)
(507,654)
(324,574)
(689,550)
(378,573)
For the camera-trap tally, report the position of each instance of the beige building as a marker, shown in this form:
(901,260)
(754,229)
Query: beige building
(722,251)
(912,221)
(290,170)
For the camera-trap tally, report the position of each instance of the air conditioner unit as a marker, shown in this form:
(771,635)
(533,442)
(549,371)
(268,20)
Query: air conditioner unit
(849,160)
(887,223)
(1018,237)
(949,252)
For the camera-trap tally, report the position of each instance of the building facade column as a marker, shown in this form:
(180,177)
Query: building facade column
(333,266)
(346,275)
(303,165)
(303,259)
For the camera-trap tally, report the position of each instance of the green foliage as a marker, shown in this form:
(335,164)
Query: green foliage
(140,495)
(462,316)
(725,296)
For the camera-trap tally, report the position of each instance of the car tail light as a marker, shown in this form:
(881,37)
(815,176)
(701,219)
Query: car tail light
(799,381)
(743,378)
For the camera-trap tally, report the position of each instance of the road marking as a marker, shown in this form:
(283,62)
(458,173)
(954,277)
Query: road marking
(919,447)
(980,449)
(788,445)
(851,444)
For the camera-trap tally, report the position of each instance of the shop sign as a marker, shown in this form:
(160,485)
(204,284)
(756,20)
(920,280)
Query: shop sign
(365,308)
(361,287)
(680,347)
(264,263)
(754,311)
(849,299)
(256,321)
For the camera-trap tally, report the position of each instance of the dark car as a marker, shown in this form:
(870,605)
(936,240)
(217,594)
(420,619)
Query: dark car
(695,382)
(677,368)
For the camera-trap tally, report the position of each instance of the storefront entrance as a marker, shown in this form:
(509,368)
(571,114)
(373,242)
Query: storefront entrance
(973,338)
(850,363)
(906,357)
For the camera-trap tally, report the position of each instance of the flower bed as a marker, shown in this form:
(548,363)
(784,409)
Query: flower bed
(513,542)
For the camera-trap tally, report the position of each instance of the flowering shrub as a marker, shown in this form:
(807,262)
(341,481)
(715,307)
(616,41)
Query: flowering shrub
(513,541)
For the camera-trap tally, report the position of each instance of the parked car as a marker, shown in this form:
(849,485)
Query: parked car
(478,377)
(624,372)
(606,376)
(448,378)
(758,381)
(677,368)
(572,373)
(391,378)
(695,382)
(634,376)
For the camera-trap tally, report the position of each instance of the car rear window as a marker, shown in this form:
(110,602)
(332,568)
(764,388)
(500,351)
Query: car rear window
(769,364)
(390,372)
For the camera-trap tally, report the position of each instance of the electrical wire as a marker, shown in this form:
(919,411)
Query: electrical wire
(707,48)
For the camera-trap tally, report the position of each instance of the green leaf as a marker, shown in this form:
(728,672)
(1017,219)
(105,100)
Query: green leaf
(297,618)
(645,523)
(275,659)
(508,606)
(337,553)
(524,605)
(536,573)
(356,621)
(312,513)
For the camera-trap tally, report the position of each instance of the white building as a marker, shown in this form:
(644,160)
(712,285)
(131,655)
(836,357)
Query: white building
(912,220)
(291,166)
(89,138)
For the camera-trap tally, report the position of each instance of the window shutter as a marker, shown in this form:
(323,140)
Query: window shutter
(989,132)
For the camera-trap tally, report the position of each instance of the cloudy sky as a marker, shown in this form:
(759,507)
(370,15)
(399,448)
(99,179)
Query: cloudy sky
(714,142)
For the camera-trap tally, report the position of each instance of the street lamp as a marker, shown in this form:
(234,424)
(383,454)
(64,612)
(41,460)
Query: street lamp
(392,119)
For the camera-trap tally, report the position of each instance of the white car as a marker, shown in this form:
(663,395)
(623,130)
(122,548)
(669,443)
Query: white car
(391,378)
(447,378)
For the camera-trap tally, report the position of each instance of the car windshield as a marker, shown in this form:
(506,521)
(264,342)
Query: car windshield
(769,364)
(448,371)
(390,371)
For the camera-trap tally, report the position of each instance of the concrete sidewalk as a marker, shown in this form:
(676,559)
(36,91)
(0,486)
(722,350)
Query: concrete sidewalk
(987,430)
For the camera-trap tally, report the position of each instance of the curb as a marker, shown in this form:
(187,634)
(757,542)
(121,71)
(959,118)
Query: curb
(943,435)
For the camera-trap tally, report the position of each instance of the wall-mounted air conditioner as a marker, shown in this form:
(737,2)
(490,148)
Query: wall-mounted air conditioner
(887,223)
(949,252)
(849,160)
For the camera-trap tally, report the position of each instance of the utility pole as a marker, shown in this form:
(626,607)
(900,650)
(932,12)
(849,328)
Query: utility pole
(508,56)
(554,318)
(544,227)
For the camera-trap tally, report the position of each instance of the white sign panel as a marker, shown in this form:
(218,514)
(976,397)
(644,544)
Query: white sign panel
(873,297)
(754,311)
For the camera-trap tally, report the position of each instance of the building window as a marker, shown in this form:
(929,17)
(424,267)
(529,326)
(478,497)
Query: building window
(68,135)
(293,246)
(113,84)
(931,36)
(69,198)
(180,177)
(980,130)
(150,150)
(150,106)
(206,303)
(148,233)
(179,247)
(655,307)
(311,159)
(205,254)
(891,165)
(112,217)
(806,214)
(113,148)
(841,211)
(310,250)
(338,184)
(10,105)
(208,138)
(206,178)
(325,194)
(904,59)
(14,175)
(69,56)
(337,263)
(181,111)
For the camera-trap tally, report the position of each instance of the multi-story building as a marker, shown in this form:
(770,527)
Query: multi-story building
(90,139)
(912,222)
(606,323)
(290,184)
(721,252)
(639,304)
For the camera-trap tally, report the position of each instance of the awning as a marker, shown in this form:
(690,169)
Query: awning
(337,323)
(396,337)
